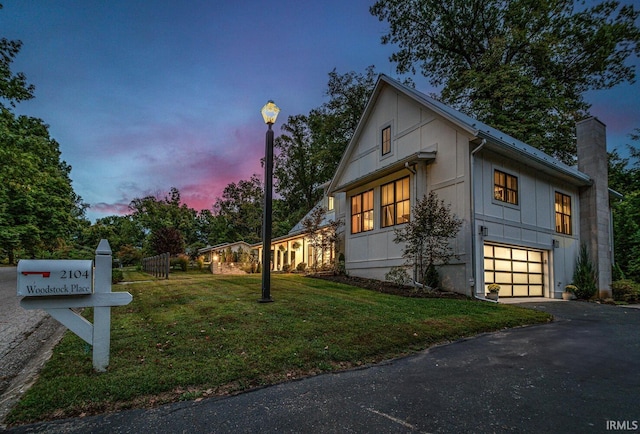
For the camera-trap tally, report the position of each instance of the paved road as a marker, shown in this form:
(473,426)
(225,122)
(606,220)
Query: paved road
(25,338)
(570,376)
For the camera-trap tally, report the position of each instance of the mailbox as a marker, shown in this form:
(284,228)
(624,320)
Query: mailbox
(42,277)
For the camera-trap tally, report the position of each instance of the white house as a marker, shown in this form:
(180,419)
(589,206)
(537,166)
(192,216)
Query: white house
(524,212)
(288,251)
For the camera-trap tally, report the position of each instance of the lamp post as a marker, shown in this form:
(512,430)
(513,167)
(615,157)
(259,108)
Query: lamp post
(269,113)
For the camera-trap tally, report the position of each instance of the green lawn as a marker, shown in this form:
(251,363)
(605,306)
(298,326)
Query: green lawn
(199,335)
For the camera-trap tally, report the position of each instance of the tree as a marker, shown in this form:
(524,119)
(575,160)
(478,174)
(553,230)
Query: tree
(321,234)
(296,172)
(129,255)
(310,147)
(153,213)
(240,210)
(166,240)
(585,275)
(522,66)
(334,123)
(427,238)
(13,87)
(120,231)
(624,177)
(39,211)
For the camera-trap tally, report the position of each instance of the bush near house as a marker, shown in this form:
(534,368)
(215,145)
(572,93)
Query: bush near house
(626,290)
(585,275)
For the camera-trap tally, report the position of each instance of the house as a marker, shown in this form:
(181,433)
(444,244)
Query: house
(287,251)
(215,256)
(524,213)
(290,250)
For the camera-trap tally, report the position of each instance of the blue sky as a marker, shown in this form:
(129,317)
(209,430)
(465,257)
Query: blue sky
(147,95)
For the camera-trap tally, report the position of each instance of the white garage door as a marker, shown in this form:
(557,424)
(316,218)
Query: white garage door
(518,271)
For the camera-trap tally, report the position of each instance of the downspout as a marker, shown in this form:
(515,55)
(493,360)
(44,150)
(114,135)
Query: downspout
(415,189)
(473,219)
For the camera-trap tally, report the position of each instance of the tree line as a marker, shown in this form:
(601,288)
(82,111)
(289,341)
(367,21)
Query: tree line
(520,66)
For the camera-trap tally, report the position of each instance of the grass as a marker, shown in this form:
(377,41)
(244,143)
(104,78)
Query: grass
(198,335)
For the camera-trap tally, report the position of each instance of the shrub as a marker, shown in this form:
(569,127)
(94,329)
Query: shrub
(341,267)
(585,275)
(432,277)
(617,273)
(181,261)
(398,275)
(626,290)
(301,266)
(116,275)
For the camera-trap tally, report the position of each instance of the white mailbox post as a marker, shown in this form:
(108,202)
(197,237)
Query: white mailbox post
(59,285)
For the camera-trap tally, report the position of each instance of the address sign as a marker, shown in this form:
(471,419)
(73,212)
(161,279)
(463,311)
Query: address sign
(42,277)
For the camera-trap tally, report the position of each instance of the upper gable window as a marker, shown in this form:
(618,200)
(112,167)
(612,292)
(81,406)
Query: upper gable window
(386,140)
(505,187)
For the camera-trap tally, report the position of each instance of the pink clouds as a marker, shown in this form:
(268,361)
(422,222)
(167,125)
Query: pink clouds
(162,157)
(111,208)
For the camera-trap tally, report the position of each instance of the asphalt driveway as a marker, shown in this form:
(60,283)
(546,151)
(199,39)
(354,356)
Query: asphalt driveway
(578,374)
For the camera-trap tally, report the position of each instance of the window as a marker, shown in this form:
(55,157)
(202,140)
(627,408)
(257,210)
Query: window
(330,203)
(563,213)
(386,140)
(395,203)
(505,187)
(362,212)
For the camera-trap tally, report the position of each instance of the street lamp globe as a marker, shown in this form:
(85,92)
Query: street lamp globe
(270,113)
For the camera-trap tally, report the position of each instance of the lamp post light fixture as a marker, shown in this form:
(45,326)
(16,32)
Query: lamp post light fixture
(270,114)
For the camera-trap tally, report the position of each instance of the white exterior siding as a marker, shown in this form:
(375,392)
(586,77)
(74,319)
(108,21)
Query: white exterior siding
(432,143)
(531,223)
(413,129)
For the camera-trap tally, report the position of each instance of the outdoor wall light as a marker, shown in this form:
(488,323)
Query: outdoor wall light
(484,231)
(269,114)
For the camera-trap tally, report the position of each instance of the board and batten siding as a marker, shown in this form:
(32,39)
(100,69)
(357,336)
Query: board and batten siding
(414,129)
(531,223)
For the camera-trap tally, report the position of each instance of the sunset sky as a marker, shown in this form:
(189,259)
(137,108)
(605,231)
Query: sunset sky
(147,95)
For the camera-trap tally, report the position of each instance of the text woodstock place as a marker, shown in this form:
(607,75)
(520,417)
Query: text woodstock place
(64,289)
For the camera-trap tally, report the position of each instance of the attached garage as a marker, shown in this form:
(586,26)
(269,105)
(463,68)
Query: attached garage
(519,271)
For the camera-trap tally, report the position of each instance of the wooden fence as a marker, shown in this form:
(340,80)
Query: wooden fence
(158,265)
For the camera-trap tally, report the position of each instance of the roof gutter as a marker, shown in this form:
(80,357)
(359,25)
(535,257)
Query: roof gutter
(577,178)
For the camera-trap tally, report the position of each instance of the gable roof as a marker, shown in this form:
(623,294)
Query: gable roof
(496,140)
(224,246)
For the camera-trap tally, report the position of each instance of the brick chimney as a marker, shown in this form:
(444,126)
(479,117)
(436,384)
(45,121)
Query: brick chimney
(595,215)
